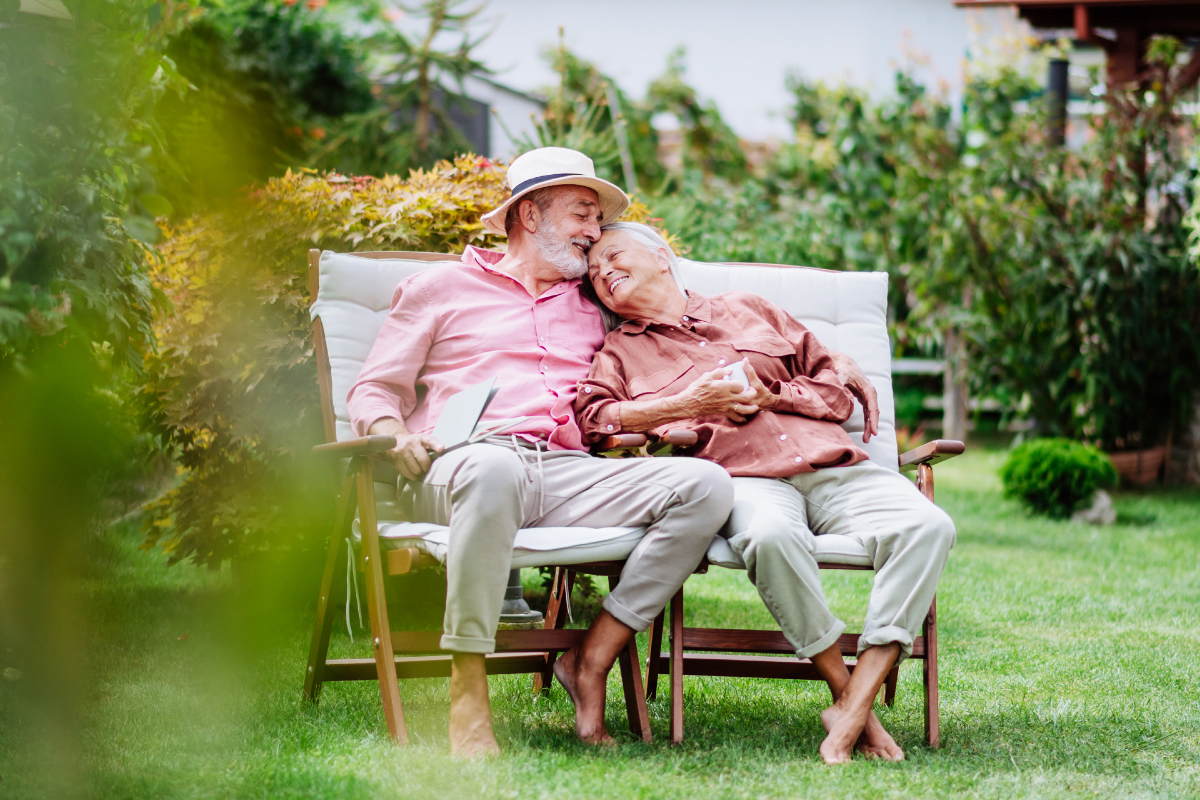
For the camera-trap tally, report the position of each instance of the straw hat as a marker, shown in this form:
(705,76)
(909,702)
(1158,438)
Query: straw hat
(555,166)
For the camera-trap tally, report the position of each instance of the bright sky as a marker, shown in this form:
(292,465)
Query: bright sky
(739,53)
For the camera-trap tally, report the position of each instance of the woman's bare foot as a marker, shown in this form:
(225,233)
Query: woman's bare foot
(470,710)
(587,693)
(874,741)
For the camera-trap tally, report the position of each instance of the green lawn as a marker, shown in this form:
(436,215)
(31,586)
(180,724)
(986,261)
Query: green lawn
(1070,667)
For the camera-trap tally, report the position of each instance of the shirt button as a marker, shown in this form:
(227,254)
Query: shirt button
(799,459)
(587,389)
(703,343)
(685,319)
(610,427)
(782,436)
(720,361)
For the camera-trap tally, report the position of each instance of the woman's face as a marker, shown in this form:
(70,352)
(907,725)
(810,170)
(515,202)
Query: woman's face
(627,275)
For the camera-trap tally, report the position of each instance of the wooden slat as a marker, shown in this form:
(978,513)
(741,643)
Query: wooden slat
(829,565)
(364,669)
(728,666)
(732,640)
(506,641)
(407,255)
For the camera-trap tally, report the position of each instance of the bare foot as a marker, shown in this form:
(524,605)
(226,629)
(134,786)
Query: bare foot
(874,741)
(843,729)
(587,693)
(470,710)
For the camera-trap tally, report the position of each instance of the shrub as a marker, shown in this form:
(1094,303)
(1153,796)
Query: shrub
(1055,476)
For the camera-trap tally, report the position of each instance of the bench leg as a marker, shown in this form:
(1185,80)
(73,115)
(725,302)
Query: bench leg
(654,654)
(889,686)
(676,641)
(932,734)
(381,632)
(556,619)
(327,600)
(631,682)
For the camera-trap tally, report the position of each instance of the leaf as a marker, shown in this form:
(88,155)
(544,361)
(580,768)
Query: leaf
(142,229)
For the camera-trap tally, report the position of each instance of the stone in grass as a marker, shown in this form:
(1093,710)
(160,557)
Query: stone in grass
(1100,512)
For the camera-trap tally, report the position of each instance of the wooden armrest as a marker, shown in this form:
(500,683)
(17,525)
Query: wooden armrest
(931,453)
(632,441)
(680,438)
(352,448)
(621,441)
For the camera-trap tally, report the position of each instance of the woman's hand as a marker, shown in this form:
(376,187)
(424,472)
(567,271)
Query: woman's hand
(763,397)
(856,381)
(713,394)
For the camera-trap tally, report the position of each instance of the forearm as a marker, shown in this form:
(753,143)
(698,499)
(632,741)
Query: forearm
(388,426)
(639,416)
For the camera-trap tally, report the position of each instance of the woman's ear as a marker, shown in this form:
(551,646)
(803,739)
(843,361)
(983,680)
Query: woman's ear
(664,263)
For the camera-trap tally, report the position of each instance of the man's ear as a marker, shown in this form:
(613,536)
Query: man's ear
(528,215)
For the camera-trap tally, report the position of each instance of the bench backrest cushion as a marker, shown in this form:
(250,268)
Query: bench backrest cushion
(846,310)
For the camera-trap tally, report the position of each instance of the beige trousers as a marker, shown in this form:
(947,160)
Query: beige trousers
(485,492)
(773,527)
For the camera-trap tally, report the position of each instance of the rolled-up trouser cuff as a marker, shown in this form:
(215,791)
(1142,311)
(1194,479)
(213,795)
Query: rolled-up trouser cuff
(625,616)
(825,642)
(890,634)
(467,644)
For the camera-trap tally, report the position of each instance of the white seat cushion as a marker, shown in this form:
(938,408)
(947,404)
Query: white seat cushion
(831,548)
(534,547)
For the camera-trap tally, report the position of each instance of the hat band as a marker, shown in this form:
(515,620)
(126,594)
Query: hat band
(523,185)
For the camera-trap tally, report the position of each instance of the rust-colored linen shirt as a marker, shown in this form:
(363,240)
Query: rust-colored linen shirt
(641,361)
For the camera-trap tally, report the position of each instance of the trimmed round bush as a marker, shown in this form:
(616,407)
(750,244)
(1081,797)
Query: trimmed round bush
(1056,476)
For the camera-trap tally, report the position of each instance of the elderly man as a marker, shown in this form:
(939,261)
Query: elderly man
(519,317)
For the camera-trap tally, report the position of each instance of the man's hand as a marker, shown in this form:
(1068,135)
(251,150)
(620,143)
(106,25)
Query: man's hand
(411,453)
(713,394)
(851,374)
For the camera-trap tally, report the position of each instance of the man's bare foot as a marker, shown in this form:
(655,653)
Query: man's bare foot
(843,731)
(874,741)
(470,710)
(587,693)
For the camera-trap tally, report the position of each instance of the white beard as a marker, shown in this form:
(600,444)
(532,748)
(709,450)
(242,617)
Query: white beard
(570,263)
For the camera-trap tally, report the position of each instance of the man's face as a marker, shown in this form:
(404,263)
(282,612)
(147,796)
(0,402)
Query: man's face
(568,228)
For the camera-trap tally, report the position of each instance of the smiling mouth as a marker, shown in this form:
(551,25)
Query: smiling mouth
(612,286)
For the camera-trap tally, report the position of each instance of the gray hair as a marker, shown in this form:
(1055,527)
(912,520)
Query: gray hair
(648,237)
(654,240)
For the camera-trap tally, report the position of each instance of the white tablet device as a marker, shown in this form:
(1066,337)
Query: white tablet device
(737,372)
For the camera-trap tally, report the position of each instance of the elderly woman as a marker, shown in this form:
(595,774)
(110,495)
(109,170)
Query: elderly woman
(797,475)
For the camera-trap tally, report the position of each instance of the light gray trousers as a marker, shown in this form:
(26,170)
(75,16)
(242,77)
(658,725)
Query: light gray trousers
(774,525)
(486,492)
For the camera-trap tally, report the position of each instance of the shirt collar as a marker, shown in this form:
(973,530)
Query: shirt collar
(487,259)
(698,309)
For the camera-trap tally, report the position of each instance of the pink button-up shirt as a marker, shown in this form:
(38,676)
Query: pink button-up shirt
(454,326)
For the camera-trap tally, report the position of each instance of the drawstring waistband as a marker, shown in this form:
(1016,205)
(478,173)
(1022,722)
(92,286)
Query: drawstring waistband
(541,481)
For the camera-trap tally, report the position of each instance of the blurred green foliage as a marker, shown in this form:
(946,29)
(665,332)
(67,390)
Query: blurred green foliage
(264,82)
(1056,476)
(1064,270)
(78,192)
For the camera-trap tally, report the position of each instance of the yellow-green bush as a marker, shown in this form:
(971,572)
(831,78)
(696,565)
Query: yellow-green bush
(232,389)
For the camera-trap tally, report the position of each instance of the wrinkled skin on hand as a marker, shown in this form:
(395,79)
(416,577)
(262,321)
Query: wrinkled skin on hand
(851,374)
